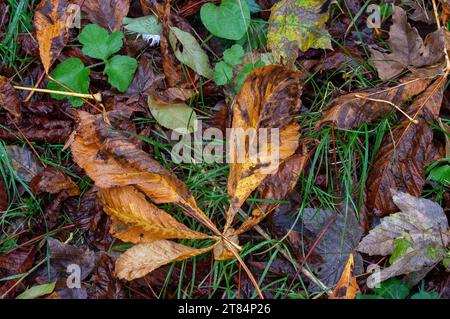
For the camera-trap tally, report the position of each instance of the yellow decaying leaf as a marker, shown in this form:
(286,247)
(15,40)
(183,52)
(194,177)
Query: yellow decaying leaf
(51,31)
(269,98)
(111,160)
(141,259)
(136,220)
(347,287)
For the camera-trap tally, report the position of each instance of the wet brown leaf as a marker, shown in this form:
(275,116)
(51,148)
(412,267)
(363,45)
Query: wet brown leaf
(350,110)
(16,262)
(106,13)
(24,162)
(3,196)
(51,30)
(400,162)
(53,180)
(9,100)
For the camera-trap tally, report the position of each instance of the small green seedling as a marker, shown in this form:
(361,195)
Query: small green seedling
(97,43)
(398,289)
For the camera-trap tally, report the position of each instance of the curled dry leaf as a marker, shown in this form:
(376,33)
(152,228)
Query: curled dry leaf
(420,220)
(141,259)
(353,109)
(140,220)
(408,48)
(9,100)
(347,287)
(51,30)
(400,162)
(53,180)
(268,99)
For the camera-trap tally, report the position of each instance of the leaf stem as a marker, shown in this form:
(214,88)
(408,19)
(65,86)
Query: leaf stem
(96,96)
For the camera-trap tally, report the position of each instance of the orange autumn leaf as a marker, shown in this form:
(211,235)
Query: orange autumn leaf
(141,259)
(51,30)
(137,220)
(347,287)
(111,160)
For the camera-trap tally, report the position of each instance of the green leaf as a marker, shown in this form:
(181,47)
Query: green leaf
(190,52)
(256,36)
(143,25)
(120,70)
(178,117)
(246,69)
(223,73)
(233,55)
(37,291)
(253,6)
(297,25)
(401,246)
(230,20)
(392,289)
(425,295)
(98,43)
(368,296)
(74,75)
(440,174)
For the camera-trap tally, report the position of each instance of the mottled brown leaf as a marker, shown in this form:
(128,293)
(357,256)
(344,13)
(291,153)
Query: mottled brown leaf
(353,109)
(9,100)
(16,262)
(24,162)
(347,287)
(408,48)
(401,159)
(53,180)
(106,13)
(51,30)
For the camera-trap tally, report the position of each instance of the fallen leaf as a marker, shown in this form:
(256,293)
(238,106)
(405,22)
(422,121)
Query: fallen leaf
(3,196)
(144,77)
(108,14)
(350,110)
(427,227)
(339,241)
(37,291)
(400,161)
(141,259)
(408,48)
(51,29)
(347,287)
(189,52)
(9,100)
(297,25)
(111,160)
(141,221)
(53,180)
(13,263)
(269,98)
(24,162)
(178,117)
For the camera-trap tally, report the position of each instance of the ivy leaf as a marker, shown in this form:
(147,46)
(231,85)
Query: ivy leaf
(297,25)
(230,20)
(74,75)
(120,70)
(223,73)
(98,43)
(190,52)
(233,55)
